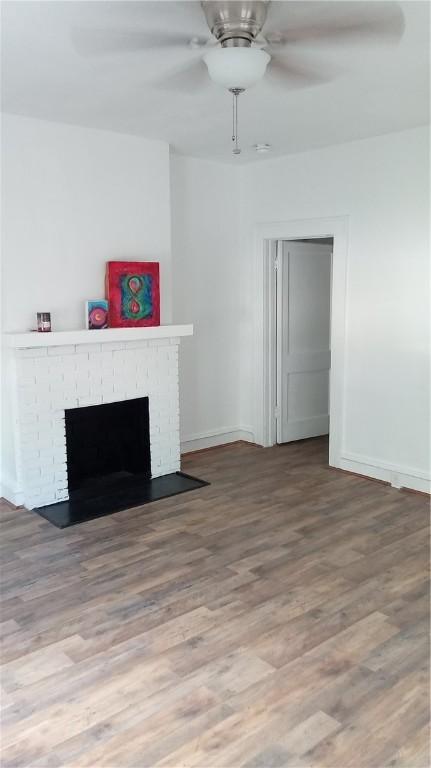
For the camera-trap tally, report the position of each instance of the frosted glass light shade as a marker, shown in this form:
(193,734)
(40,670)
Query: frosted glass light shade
(236,67)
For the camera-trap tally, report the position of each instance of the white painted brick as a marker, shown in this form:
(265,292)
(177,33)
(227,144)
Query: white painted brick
(59,435)
(63,349)
(106,388)
(91,369)
(28,440)
(44,407)
(57,391)
(33,476)
(63,402)
(29,454)
(28,418)
(64,364)
(47,456)
(111,346)
(48,478)
(143,387)
(159,342)
(29,431)
(119,357)
(48,489)
(43,396)
(60,466)
(81,361)
(50,385)
(131,394)
(33,500)
(106,361)
(47,375)
(137,344)
(92,400)
(46,453)
(26,381)
(96,385)
(84,390)
(109,397)
(26,398)
(119,396)
(33,352)
(45,499)
(25,366)
(41,363)
(94,380)
(43,441)
(94,347)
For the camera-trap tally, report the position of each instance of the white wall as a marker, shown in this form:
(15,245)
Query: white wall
(381,184)
(206,280)
(73,199)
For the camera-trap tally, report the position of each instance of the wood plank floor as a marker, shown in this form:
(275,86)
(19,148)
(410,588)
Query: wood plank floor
(278,617)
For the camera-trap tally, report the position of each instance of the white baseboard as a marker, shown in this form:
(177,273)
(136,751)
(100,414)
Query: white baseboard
(215,437)
(397,476)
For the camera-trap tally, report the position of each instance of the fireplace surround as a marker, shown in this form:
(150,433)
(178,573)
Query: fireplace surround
(53,376)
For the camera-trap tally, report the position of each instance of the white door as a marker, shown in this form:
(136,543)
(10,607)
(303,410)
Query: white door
(303,339)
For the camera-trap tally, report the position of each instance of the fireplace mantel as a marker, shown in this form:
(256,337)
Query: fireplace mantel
(61,338)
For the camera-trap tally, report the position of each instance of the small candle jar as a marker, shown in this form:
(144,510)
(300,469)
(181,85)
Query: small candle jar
(43,322)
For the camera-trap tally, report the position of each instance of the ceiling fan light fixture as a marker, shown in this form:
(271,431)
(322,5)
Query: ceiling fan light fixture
(236,67)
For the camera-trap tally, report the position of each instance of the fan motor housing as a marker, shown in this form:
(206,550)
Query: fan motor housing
(235,23)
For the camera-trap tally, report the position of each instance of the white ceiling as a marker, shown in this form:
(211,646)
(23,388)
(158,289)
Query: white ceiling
(377,87)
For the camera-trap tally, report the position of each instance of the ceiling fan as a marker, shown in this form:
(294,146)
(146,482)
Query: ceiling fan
(253,38)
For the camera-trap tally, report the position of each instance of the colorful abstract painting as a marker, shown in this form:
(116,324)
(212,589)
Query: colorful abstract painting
(96,314)
(132,290)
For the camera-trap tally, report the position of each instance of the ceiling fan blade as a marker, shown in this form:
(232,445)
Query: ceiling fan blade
(106,42)
(338,22)
(288,73)
(189,78)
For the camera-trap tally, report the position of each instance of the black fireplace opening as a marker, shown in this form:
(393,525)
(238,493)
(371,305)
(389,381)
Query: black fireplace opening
(109,464)
(107,444)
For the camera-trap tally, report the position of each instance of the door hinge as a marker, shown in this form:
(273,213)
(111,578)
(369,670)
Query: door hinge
(276,262)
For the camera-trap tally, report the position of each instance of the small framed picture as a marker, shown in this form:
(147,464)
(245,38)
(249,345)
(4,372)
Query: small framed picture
(96,314)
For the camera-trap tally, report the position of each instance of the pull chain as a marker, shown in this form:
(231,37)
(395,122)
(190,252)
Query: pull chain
(235,93)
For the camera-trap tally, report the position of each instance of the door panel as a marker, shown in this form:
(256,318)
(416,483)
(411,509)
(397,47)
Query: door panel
(303,340)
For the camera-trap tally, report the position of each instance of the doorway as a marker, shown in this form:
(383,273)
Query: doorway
(264,422)
(303,275)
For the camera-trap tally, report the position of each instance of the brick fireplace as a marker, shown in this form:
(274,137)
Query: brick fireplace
(54,374)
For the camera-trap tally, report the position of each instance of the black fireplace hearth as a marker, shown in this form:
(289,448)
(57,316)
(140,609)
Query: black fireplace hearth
(124,493)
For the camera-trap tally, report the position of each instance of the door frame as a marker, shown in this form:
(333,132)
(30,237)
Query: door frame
(266,237)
